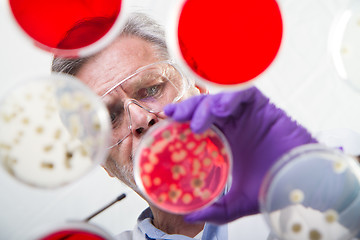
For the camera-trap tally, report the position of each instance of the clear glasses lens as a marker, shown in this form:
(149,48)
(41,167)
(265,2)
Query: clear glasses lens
(150,88)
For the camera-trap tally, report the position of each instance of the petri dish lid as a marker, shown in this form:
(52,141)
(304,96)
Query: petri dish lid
(344,45)
(179,171)
(69,28)
(227,43)
(313,192)
(75,230)
(53,130)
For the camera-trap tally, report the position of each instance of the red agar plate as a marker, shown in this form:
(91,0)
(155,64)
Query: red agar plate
(72,231)
(180,171)
(229,42)
(83,23)
(72,234)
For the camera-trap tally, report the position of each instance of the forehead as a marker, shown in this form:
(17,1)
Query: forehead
(118,60)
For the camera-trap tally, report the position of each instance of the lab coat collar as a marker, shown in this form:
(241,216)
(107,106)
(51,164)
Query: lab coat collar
(145,226)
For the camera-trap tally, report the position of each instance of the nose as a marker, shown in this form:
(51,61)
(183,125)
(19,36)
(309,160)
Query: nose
(141,118)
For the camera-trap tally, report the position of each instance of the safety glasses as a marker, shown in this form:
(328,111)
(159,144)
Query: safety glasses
(148,90)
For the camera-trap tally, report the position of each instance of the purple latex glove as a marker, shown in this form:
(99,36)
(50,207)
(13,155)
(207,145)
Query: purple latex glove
(258,132)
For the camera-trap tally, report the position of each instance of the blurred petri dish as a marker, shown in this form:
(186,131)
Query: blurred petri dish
(73,231)
(226,43)
(345,139)
(344,44)
(53,129)
(69,28)
(180,171)
(312,193)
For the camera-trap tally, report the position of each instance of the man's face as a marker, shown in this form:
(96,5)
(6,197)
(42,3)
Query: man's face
(120,59)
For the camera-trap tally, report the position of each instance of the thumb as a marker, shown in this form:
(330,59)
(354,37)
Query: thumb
(183,111)
(214,214)
(223,211)
(229,103)
(232,206)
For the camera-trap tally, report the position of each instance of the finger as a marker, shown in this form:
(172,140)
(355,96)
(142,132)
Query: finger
(226,104)
(202,118)
(183,111)
(169,109)
(230,207)
(213,214)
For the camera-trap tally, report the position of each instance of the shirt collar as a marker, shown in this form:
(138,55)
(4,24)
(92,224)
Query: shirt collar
(145,226)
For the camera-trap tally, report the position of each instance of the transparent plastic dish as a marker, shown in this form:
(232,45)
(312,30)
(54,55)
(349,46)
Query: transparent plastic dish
(53,129)
(72,230)
(225,44)
(69,28)
(344,44)
(312,193)
(180,171)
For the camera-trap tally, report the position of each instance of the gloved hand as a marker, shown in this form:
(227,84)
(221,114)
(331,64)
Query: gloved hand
(258,133)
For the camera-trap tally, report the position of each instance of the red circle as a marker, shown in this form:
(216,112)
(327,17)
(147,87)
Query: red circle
(181,171)
(72,234)
(50,22)
(229,42)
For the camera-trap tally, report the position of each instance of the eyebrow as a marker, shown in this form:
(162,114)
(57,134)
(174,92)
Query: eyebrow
(133,74)
(119,83)
(140,80)
(112,98)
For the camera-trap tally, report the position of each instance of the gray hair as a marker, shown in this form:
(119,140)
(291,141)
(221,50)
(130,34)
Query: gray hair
(137,24)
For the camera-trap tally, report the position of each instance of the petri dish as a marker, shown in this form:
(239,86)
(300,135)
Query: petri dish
(226,43)
(72,230)
(312,193)
(53,130)
(344,45)
(69,28)
(345,139)
(179,171)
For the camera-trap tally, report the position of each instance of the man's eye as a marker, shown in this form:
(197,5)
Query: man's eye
(113,117)
(115,113)
(151,91)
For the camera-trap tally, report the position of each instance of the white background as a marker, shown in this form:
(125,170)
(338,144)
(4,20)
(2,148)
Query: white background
(302,80)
